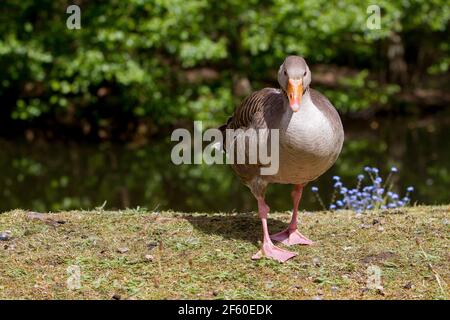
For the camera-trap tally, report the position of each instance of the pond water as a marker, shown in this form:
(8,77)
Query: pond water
(56,176)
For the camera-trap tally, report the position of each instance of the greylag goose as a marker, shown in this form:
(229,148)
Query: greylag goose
(310,140)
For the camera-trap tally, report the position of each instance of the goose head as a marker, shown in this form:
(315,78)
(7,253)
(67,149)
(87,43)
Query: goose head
(294,78)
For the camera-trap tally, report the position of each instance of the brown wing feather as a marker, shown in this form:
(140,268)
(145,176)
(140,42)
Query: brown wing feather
(259,110)
(253,108)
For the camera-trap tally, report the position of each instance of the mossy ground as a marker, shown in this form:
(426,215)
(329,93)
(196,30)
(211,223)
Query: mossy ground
(207,256)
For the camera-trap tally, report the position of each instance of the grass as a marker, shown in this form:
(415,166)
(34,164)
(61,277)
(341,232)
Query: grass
(207,256)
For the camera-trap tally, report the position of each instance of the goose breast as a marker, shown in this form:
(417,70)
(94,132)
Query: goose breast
(310,141)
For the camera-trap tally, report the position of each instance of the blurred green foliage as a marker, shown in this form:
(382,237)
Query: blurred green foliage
(174,59)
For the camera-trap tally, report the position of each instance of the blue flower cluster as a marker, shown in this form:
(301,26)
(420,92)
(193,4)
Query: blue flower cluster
(376,195)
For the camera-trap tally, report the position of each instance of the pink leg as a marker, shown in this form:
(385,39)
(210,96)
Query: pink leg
(291,236)
(268,249)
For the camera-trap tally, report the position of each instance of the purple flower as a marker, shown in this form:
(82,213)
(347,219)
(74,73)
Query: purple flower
(314,189)
(367,197)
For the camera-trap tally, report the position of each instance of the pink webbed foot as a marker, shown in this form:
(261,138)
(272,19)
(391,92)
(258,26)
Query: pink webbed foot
(289,238)
(269,250)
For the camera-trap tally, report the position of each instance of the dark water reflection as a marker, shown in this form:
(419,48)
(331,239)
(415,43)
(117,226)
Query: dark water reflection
(56,176)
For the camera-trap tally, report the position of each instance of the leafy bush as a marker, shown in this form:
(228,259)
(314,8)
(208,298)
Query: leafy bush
(171,60)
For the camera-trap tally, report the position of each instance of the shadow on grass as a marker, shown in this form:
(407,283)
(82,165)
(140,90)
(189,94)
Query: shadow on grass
(245,226)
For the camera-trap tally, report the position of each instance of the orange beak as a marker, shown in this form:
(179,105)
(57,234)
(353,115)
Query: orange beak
(295,92)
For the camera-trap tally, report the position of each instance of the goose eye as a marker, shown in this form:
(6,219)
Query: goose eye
(285,73)
(304,74)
